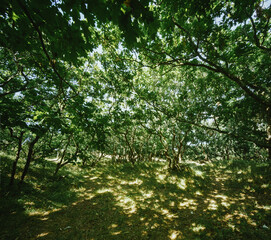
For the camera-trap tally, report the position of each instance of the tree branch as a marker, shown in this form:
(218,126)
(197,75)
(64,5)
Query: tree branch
(256,39)
(263,145)
(218,69)
(51,62)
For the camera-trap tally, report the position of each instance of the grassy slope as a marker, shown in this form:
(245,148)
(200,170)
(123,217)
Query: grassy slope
(215,201)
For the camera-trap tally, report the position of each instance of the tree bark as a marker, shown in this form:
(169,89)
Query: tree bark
(60,164)
(268,131)
(131,153)
(29,157)
(14,165)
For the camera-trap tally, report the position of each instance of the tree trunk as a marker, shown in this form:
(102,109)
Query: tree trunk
(227,154)
(269,143)
(131,153)
(150,157)
(14,165)
(29,157)
(59,164)
(175,165)
(206,158)
(268,132)
(100,156)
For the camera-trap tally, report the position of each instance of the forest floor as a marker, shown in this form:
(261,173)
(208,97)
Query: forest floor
(215,200)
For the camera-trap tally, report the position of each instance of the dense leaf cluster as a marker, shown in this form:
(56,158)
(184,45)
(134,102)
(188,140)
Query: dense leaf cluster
(135,79)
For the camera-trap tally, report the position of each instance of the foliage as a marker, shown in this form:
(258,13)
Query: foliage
(136,82)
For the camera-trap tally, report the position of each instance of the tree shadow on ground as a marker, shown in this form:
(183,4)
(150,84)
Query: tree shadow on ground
(148,202)
(38,194)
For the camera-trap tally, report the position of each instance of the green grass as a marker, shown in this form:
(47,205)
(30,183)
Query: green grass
(219,200)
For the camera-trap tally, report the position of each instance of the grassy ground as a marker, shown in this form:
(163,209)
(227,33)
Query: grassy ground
(215,201)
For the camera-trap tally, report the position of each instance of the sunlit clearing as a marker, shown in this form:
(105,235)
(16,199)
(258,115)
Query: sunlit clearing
(225,204)
(224,200)
(147,194)
(30,203)
(116,233)
(164,211)
(161,177)
(93,178)
(230,225)
(113,226)
(193,162)
(132,209)
(243,196)
(155,225)
(224,197)
(182,184)
(239,215)
(212,205)
(174,235)
(104,190)
(173,179)
(40,212)
(198,173)
(136,182)
(127,204)
(167,214)
(80,189)
(188,203)
(197,227)
(42,235)
(123,182)
(267,207)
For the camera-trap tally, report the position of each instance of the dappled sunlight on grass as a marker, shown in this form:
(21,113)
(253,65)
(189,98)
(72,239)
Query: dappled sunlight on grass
(182,184)
(199,173)
(267,207)
(42,235)
(148,202)
(197,227)
(188,203)
(174,234)
(104,190)
(212,204)
(127,203)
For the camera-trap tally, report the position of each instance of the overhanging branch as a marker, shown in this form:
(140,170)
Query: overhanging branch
(256,39)
(218,69)
(51,62)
